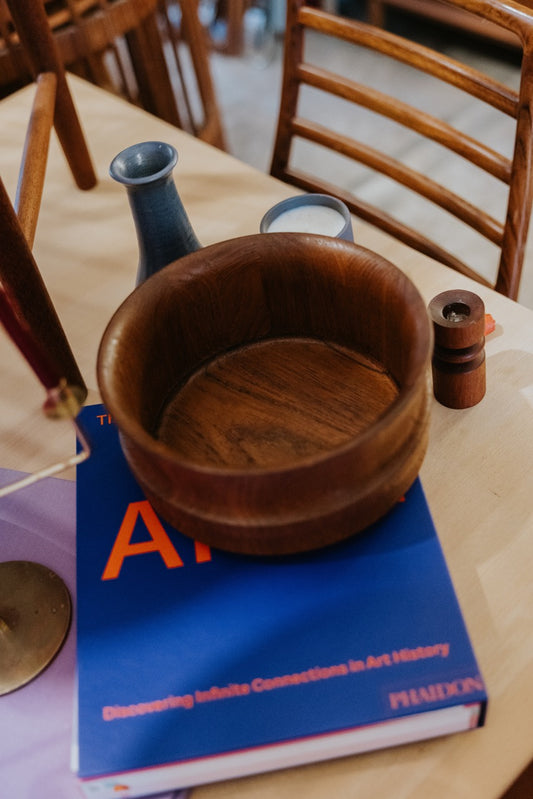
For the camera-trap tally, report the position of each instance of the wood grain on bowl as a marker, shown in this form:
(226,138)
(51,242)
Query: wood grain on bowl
(271,392)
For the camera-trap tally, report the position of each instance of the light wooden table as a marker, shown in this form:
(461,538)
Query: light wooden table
(477,473)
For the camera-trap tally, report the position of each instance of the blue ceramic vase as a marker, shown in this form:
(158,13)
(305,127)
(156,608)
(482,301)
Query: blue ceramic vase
(164,232)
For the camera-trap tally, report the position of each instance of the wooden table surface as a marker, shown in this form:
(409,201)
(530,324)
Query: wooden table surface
(477,472)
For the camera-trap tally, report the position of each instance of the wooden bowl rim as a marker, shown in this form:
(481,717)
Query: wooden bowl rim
(132,429)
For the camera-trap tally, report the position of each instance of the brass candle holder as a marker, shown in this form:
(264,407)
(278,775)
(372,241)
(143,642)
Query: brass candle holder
(35,614)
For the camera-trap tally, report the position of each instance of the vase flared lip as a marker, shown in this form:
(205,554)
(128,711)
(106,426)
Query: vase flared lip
(143,163)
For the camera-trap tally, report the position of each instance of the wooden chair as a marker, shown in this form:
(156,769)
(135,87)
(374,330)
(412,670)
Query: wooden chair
(26,309)
(511,172)
(119,45)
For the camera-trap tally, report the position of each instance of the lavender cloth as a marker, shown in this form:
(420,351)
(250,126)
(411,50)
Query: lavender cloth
(38,523)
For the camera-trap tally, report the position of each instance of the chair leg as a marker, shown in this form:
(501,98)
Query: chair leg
(25,290)
(375,13)
(233,12)
(33,29)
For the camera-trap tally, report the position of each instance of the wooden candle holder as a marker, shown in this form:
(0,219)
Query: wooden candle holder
(459,377)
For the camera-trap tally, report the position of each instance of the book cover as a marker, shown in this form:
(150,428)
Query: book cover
(196,665)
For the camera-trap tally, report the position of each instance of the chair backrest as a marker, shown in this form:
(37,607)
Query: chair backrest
(373,51)
(121,45)
(26,309)
(192,69)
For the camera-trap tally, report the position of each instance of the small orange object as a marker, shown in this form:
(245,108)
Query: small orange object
(490,324)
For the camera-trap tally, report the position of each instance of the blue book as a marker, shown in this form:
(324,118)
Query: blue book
(197,665)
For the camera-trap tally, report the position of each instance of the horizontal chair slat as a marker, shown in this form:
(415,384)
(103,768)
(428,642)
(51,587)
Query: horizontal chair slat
(375,216)
(433,191)
(33,166)
(425,124)
(470,80)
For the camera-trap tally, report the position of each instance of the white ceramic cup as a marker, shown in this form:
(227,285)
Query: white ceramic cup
(309,213)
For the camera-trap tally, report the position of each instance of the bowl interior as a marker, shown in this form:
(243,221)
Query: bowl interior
(262,351)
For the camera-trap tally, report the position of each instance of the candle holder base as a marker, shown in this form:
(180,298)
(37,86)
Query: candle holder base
(35,613)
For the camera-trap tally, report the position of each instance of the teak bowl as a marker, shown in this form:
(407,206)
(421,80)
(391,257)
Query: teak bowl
(272,391)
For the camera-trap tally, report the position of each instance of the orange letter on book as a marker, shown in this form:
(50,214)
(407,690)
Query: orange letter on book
(202,552)
(123,548)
